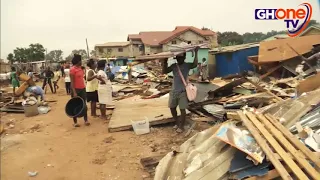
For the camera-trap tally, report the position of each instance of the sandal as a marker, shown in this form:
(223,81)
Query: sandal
(76,125)
(87,123)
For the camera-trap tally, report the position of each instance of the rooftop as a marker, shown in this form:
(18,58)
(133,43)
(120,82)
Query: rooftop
(114,44)
(233,48)
(156,38)
(278,36)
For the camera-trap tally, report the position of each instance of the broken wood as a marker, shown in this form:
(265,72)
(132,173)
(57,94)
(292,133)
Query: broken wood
(277,147)
(265,90)
(151,162)
(309,84)
(307,152)
(270,71)
(233,115)
(298,156)
(264,146)
(272,174)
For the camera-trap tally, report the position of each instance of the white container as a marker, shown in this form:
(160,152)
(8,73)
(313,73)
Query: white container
(141,127)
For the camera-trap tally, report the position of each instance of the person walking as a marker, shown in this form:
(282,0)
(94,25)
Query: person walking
(104,89)
(14,79)
(48,75)
(78,87)
(55,79)
(178,95)
(67,80)
(92,86)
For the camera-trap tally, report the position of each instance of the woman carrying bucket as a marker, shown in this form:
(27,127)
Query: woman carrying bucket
(78,87)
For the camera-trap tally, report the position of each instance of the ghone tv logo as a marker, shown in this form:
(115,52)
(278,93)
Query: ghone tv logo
(296,20)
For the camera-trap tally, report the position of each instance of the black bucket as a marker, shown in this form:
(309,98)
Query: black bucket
(76,107)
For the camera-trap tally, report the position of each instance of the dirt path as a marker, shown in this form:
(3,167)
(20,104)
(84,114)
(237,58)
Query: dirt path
(50,145)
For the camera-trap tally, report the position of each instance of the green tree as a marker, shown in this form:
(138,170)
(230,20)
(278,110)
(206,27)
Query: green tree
(81,52)
(55,55)
(229,38)
(35,52)
(11,58)
(21,54)
(313,22)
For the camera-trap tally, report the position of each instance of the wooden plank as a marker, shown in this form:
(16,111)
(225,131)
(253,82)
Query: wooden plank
(264,146)
(270,175)
(277,147)
(307,152)
(280,159)
(298,156)
(151,162)
(136,109)
(233,115)
(309,84)
(265,90)
(270,71)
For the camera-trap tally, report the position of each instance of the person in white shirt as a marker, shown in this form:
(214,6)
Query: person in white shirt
(104,89)
(67,79)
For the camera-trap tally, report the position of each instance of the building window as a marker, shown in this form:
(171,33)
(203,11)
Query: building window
(120,49)
(174,42)
(200,42)
(189,42)
(100,50)
(109,50)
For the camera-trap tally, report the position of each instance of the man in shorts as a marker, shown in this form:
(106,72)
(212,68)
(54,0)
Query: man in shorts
(178,95)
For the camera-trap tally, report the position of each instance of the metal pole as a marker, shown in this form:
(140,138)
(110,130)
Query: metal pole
(87,49)
(45,57)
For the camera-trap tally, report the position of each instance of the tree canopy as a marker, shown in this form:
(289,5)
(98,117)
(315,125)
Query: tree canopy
(55,55)
(233,38)
(81,52)
(35,52)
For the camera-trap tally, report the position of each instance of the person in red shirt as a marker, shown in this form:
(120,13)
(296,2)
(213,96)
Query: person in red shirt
(78,87)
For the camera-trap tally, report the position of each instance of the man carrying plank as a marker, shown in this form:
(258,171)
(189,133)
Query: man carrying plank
(178,95)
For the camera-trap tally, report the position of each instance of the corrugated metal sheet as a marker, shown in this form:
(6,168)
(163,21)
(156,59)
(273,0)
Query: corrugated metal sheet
(235,62)
(233,48)
(278,50)
(202,156)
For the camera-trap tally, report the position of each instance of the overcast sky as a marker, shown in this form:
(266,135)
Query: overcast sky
(64,24)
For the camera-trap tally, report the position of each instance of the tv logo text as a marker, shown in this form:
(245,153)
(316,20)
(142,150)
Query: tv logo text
(296,20)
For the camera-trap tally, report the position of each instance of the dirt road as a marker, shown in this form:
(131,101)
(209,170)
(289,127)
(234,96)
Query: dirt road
(50,145)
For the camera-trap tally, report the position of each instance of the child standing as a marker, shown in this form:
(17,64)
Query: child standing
(14,79)
(104,89)
(67,80)
(55,79)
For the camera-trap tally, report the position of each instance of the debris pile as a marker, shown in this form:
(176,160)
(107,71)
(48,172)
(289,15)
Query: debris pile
(266,123)
(31,103)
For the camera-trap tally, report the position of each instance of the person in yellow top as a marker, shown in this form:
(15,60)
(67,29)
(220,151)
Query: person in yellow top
(56,77)
(92,86)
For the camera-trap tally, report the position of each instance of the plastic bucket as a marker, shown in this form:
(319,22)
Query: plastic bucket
(76,107)
(31,110)
(141,127)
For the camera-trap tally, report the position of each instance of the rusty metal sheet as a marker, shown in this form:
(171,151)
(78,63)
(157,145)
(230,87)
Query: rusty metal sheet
(278,50)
